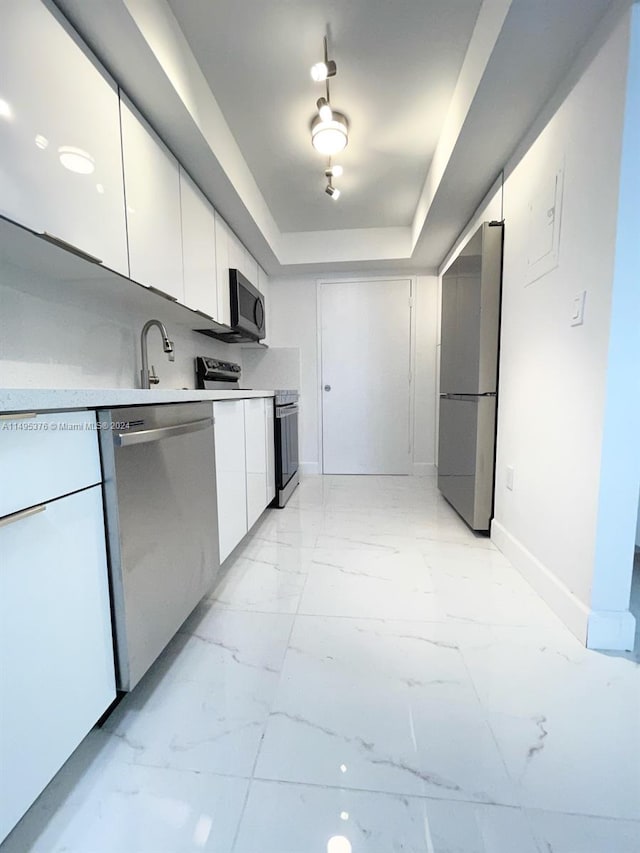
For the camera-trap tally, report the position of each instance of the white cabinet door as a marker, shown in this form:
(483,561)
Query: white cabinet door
(198,248)
(152,188)
(45,456)
(231,480)
(250,269)
(60,155)
(237,253)
(222,271)
(263,287)
(56,655)
(269,417)
(256,452)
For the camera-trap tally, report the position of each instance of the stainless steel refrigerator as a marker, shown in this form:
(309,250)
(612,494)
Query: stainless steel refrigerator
(471,290)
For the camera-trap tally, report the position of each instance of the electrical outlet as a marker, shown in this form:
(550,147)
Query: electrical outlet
(510,474)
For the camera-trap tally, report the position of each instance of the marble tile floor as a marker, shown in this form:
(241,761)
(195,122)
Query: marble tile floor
(367,677)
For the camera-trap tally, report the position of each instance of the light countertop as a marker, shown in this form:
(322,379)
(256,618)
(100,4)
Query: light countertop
(61,399)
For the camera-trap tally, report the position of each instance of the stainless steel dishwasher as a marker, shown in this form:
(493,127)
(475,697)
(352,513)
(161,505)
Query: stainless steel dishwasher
(162,529)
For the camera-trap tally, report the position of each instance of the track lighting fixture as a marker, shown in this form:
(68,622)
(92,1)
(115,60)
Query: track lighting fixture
(324,109)
(329,128)
(321,70)
(330,137)
(333,171)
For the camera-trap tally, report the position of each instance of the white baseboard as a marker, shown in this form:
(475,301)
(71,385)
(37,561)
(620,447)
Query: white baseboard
(307,468)
(424,469)
(611,630)
(573,612)
(605,630)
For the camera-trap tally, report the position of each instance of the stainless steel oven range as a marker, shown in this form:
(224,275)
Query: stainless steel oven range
(286,436)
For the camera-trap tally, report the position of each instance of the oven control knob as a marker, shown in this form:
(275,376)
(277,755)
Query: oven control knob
(327,387)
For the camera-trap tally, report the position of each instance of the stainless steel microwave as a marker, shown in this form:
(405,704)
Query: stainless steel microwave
(247,307)
(247,312)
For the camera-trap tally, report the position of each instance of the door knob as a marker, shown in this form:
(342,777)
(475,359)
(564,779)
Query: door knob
(327,387)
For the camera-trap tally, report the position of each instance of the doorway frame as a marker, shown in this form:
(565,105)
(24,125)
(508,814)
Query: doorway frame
(349,279)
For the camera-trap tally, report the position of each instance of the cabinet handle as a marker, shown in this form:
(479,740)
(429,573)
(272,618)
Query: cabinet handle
(144,436)
(25,513)
(203,314)
(57,241)
(18,416)
(162,293)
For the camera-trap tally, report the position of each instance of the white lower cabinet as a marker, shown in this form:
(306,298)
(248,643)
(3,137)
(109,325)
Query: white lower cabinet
(256,456)
(245,466)
(231,479)
(56,655)
(269,416)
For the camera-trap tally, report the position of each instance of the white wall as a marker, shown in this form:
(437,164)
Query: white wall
(294,324)
(554,376)
(48,340)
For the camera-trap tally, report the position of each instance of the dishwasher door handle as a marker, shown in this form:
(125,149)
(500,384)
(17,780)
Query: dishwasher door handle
(144,436)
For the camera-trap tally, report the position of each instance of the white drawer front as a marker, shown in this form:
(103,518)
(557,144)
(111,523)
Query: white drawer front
(56,655)
(45,456)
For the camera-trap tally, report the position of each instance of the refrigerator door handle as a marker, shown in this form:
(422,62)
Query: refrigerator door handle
(467,396)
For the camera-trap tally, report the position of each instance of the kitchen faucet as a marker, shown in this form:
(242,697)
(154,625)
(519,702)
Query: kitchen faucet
(147,379)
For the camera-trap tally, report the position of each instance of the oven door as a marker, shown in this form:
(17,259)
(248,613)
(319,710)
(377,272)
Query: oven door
(247,307)
(286,443)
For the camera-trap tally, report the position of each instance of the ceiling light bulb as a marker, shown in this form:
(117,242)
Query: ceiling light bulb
(76,160)
(337,171)
(329,137)
(324,109)
(332,191)
(321,70)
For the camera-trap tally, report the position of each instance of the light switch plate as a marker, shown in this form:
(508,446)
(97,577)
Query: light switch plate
(510,475)
(577,308)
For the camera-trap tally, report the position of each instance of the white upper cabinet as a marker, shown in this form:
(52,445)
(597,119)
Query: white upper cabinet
(250,269)
(223,235)
(263,287)
(60,155)
(198,249)
(152,188)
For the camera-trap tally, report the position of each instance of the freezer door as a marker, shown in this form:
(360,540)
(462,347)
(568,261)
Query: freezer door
(466,456)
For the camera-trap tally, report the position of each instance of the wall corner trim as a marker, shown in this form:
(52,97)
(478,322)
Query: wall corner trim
(569,609)
(424,469)
(309,468)
(613,630)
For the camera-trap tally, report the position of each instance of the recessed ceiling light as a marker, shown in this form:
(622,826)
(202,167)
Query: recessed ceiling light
(76,160)
(41,141)
(330,137)
(339,844)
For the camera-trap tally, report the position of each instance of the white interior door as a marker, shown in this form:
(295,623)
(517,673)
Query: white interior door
(366,363)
